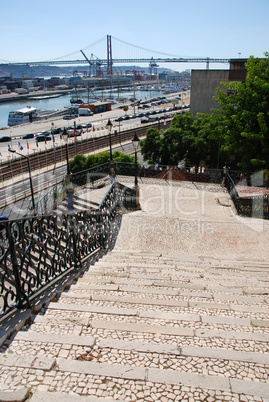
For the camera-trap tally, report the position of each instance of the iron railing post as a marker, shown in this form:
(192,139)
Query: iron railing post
(20,295)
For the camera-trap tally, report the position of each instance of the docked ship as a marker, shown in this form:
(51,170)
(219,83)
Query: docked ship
(29,114)
(22,116)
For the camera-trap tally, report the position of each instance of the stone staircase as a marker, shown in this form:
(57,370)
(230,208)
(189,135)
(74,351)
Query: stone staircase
(178,311)
(145,326)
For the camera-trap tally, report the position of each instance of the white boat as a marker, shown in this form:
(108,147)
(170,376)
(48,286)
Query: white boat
(29,114)
(168,89)
(22,116)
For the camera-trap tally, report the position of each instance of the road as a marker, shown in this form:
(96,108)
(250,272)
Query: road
(18,195)
(15,198)
(99,122)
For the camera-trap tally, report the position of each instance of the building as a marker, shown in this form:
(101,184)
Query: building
(204,84)
(28,85)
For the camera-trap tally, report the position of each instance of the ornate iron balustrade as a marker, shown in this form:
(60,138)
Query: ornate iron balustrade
(36,251)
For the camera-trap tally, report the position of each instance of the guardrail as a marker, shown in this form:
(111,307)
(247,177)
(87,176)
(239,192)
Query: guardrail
(37,251)
(255,206)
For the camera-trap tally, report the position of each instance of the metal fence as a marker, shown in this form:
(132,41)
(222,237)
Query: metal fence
(251,206)
(37,251)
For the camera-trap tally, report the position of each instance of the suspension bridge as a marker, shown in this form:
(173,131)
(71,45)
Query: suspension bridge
(107,59)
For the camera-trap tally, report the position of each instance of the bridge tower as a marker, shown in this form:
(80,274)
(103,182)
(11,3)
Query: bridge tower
(109,55)
(153,66)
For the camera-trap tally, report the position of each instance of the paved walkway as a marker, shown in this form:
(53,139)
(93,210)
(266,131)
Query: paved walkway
(178,311)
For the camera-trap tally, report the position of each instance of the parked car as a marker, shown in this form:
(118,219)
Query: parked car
(154,118)
(70,116)
(5,138)
(43,136)
(144,120)
(27,136)
(72,134)
(87,125)
(43,133)
(56,131)
(120,118)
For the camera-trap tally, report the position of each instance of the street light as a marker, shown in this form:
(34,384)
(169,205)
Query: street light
(135,142)
(111,162)
(30,177)
(69,188)
(65,138)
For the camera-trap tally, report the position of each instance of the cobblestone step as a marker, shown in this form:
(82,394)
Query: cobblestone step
(91,312)
(44,396)
(165,289)
(146,331)
(219,276)
(88,298)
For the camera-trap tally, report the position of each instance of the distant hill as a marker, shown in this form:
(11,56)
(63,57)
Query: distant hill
(27,70)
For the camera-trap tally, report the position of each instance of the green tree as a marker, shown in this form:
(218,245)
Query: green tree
(245,117)
(77,164)
(207,140)
(124,163)
(172,150)
(101,158)
(150,146)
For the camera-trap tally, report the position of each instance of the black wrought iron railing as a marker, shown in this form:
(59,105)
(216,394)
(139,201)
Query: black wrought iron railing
(37,251)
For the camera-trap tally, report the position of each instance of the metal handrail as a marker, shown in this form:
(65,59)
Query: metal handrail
(37,251)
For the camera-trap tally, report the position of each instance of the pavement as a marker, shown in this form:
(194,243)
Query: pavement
(177,311)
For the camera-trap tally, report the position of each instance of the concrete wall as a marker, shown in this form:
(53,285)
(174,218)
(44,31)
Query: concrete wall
(203,88)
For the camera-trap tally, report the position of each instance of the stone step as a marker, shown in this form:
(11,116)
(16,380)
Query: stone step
(260,288)
(68,310)
(134,279)
(166,376)
(143,328)
(169,298)
(45,396)
(189,326)
(250,278)
(107,382)
(184,260)
(192,292)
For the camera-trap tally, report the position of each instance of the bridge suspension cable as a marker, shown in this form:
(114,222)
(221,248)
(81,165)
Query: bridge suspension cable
(78,51)
(147,50)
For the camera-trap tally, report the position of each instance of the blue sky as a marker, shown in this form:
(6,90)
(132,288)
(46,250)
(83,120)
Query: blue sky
(45,30)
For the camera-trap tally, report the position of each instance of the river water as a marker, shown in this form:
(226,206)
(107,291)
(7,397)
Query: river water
(64,101)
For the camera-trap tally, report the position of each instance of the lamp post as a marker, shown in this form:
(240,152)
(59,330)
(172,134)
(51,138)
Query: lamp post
(69,188)
(65,138)
(135,142)
(111,162)
(53,140)
(30,177)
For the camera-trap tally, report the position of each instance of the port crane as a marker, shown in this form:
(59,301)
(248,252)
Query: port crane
(95,64)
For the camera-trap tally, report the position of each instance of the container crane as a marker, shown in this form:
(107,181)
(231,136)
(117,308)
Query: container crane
(90,63)
(93,63)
